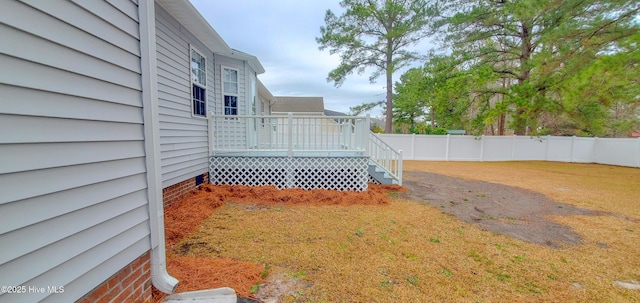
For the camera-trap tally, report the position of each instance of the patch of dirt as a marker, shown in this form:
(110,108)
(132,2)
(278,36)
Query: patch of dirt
(280,288)
(512,211)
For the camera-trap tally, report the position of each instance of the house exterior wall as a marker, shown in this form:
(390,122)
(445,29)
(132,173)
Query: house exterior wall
(183,137)
(74,203)
(235,126)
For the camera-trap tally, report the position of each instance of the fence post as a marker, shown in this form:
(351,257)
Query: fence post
(638,154)
(413,145)
(573,142)
(290,135)
(447,149)
(595,150)
(513,147)
(546,149)
(481,148)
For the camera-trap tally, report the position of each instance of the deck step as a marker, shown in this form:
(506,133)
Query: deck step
(379,174)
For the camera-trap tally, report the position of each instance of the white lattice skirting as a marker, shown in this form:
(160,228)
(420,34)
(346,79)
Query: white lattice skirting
(335,173)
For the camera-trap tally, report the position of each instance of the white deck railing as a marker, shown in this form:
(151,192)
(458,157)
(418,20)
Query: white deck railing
(288,133)
(292,134)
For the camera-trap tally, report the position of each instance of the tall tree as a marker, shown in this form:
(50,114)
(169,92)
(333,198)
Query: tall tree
(603,99)
(375,34)
(527,48)
(410,99)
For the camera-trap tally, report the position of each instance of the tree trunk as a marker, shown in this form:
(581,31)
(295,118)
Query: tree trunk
(521,123)
(433,119)
(388,123)
(501,119)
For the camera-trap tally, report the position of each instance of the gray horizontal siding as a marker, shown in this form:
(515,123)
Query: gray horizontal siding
(62,82)
(26,129)
(30,211)
(72,158)
(57,56)
(41,24)
(76,15)
(18,186)
(50,236)
(183,138)
(15,158)
(128,8)
(33,102)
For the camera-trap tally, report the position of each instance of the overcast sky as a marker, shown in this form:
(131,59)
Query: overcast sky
(281,34)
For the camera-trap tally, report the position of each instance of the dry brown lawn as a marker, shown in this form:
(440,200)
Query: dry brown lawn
(405,251)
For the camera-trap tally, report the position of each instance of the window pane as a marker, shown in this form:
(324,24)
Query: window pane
(198,68)
(199,101)
(230,81)
(230,105)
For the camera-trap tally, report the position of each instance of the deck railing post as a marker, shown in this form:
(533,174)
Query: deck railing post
(290,135)
(365,134)
(211,133)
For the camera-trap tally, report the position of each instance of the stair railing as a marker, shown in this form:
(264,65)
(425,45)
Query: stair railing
(386,157)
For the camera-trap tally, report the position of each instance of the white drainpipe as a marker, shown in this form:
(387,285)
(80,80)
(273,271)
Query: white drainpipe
(159,276)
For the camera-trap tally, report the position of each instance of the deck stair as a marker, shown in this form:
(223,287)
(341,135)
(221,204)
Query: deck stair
(379,174)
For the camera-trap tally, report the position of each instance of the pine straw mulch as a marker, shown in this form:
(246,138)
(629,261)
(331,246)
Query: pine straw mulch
(186,215)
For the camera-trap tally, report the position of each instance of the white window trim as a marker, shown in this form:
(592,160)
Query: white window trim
(205,86)
(237,95)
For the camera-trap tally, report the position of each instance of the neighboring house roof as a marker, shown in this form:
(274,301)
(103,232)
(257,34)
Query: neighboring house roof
(635,134)
(307,105)
(333,113)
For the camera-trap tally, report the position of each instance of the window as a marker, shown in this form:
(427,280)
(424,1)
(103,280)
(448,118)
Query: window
(198,83)
(230,90)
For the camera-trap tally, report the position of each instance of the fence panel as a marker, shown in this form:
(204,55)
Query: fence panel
(614,151)
(559,148)
(463,149)
(625,152)
(428,148)
(497,148)
(583,149)
(527,148)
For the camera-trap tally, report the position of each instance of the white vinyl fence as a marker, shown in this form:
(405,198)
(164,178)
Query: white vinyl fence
(613,151)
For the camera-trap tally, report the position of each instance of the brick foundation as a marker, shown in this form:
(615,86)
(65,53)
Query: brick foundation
(131,284)
(176,191)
